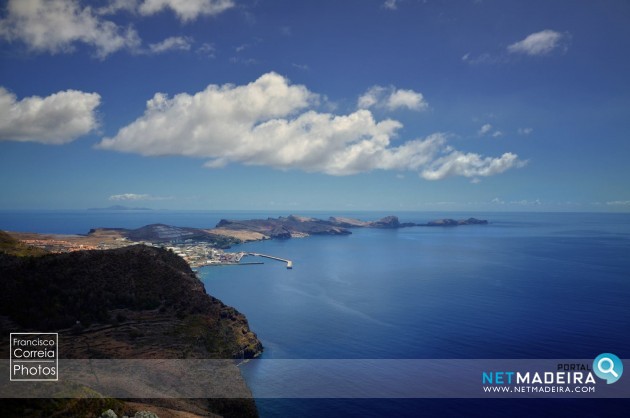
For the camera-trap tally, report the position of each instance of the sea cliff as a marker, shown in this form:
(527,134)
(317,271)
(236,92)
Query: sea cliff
(136,302)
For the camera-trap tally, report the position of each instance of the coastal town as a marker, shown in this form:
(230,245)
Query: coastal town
(196,253)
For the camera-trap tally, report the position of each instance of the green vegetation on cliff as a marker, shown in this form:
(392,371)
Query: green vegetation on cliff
(90,288)
(135,302)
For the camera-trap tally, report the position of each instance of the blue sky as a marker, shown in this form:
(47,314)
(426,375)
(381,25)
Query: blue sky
(315,105)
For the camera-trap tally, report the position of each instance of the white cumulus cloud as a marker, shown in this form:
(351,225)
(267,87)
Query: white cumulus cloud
(56,119)
(271,122)
(58,25)
(540,43)
(174,43)
(186,10)
(207,49)
(129,196)
(406,98)
(390,5)
(371,97)
(470,165)
(392,99)
(485,129)
(115,6)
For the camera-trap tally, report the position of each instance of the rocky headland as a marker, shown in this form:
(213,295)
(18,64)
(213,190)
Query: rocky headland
(136,302)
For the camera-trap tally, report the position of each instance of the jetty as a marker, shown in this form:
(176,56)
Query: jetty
(289,262)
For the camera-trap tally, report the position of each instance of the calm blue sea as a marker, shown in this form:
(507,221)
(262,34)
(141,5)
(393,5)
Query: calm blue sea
(528,285)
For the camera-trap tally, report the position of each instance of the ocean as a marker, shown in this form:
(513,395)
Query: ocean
(525,286)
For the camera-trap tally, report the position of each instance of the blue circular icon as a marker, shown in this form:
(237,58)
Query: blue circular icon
(608,366)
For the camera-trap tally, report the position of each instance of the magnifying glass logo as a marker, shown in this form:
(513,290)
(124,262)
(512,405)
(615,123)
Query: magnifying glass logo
(611,366)
(608,367)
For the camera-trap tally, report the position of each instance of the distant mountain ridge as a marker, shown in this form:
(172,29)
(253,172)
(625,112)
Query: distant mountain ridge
(292,225)
(229,232)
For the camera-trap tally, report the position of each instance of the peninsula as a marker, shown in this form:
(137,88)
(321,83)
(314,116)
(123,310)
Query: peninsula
(299,226)
(205,246)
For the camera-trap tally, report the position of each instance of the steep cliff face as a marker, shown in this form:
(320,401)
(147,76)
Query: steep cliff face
(131,303)
(88,289)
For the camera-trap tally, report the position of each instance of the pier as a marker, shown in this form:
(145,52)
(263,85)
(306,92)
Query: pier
(289,262)
(234,259)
